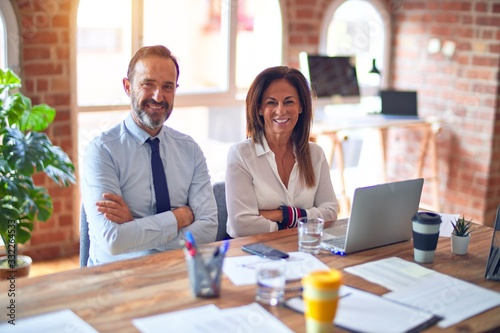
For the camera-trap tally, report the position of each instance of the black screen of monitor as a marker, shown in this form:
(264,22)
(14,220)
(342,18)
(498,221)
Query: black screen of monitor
(396,102)
(332,76)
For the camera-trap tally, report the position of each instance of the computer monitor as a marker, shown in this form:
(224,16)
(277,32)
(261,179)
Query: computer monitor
(334,79)
(399,102)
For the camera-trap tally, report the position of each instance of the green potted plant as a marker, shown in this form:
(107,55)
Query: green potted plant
(24,151)
(460,236)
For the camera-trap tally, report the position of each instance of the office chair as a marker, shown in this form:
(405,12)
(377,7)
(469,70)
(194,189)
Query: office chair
(84,238)
(219,189)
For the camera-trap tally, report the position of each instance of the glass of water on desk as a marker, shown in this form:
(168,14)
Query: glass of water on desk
(271,280)
(310,233)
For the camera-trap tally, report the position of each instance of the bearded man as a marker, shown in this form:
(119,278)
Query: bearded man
(143,182)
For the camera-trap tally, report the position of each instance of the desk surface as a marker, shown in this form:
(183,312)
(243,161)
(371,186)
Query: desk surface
(109,296)
(328,125)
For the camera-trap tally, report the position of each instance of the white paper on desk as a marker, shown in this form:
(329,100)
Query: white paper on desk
(361,311)
(61,321)
(448,297)
(241,270)
(179,321)
(443,295)
(251,318)
(392,273)
(446,228)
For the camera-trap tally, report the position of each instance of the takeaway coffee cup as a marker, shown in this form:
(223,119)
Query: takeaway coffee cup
(425,236)
(321,295)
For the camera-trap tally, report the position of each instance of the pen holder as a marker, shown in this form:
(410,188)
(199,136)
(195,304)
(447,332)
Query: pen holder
(204,270)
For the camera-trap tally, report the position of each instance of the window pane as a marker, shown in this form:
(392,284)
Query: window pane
(3,49)
(357,29)
(103,51)
(193,31)
(259,41)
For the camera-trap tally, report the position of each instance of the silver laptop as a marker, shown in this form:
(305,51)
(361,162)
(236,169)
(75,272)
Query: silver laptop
(380,215)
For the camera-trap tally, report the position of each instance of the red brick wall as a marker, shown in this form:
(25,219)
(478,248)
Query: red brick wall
(463,90)
(46,76)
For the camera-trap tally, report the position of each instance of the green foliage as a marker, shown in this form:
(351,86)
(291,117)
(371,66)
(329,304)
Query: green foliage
(24,151)
(462,227)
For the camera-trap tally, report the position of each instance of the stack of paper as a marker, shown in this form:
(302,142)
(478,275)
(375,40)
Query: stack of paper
(445,296)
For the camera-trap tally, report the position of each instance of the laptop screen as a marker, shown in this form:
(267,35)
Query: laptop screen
(398,103)
(493,263)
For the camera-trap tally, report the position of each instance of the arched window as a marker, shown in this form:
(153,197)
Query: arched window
(359,28)
(9,37)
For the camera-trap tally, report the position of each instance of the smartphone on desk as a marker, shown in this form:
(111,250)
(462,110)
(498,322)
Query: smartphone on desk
(265,251)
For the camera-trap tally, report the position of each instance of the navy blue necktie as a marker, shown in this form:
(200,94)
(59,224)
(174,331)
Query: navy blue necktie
(159,178)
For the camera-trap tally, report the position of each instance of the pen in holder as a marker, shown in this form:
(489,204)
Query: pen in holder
(204,263)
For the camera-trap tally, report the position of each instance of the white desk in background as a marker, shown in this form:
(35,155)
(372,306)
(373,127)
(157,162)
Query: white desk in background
(336,130)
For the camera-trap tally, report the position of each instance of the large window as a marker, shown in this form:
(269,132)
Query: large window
(220,44)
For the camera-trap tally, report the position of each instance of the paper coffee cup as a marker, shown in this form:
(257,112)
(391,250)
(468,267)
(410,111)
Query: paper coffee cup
(321,295)
(425,236)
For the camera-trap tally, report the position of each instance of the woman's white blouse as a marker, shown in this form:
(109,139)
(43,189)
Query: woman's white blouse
(253,184)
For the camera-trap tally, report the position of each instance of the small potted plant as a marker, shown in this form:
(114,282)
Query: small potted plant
(460,236)
(25,150)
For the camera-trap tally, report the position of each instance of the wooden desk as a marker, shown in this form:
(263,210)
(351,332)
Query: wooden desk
(335,130)
(110,296)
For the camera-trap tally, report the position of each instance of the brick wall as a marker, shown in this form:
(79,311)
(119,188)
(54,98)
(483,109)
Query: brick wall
(46,76)
(463,90)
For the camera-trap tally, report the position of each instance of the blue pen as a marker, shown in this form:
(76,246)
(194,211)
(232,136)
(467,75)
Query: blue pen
(337,252)
(190,238)
(225,246)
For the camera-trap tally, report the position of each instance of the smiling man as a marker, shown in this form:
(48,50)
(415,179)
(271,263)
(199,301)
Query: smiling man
(144,183)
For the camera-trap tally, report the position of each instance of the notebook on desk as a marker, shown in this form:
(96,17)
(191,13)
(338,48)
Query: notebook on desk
(380,215)
(493,262)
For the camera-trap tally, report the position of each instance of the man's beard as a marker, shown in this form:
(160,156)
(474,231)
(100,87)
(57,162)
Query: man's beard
(145,119)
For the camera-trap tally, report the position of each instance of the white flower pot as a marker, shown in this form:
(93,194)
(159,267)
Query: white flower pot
(459,244)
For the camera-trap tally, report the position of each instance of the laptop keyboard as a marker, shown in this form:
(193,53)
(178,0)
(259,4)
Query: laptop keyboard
(338,242)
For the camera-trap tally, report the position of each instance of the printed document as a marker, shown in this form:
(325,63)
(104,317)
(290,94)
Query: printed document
(445,296)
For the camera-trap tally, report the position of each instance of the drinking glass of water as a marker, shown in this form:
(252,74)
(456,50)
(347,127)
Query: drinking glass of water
(310,233)
(271,280)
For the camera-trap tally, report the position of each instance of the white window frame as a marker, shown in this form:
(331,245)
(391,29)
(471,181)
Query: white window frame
(11,49)
(380,7)
(12,36)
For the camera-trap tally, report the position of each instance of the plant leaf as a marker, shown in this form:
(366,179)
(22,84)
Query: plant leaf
(25,153)
(36,118)
(59,167)
(13,108)
(38,205)
(9,80)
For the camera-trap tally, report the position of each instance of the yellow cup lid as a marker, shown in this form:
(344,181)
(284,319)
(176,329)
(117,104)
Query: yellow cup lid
(325,279)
